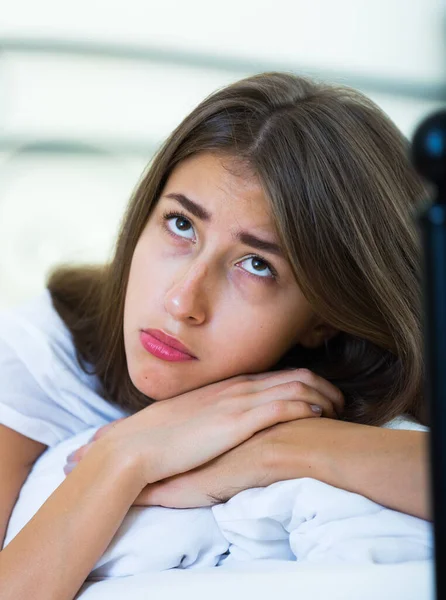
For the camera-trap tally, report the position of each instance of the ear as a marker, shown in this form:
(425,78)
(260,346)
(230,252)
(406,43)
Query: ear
(316,335)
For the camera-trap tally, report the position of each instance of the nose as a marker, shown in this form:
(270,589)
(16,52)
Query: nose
(187,299)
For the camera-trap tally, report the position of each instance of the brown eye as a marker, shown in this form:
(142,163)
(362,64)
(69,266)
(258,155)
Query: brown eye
(180,226)
(257,266)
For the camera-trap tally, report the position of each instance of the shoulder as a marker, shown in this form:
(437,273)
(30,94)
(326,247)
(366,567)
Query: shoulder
(34,315)
(39,338)
(35,333)
(46,394)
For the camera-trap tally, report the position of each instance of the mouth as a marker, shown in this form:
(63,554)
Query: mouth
(164,346)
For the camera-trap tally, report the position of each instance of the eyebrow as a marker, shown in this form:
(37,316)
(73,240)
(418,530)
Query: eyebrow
(197,210)
(243,236)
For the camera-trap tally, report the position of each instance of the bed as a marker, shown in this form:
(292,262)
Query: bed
(344,543)
(270,578)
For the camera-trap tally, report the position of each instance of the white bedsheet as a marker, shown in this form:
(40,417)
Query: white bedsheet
(266,579)
(300,520)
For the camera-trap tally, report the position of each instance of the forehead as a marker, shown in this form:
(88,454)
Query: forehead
(224,187)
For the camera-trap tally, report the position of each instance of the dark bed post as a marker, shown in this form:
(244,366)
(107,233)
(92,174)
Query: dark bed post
(429,157)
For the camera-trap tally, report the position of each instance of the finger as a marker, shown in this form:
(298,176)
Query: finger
(324,387)
(272,413)
(104,429)
(69,467)
(78,454)
(294,391)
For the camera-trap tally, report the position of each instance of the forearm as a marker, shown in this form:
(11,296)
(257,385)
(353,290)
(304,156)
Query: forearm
(53,554)
(388,466)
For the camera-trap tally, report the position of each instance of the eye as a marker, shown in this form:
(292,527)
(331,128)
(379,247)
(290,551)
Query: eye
(257,266)
(179,225)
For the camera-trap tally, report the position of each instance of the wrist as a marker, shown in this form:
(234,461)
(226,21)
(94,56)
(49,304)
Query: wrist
(285,460)
(305,448)
(117,457)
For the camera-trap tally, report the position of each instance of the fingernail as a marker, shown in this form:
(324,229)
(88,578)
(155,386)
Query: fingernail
(69,467)
(316,409)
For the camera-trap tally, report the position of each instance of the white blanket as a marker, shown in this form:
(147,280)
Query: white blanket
(298,520)
(266,579)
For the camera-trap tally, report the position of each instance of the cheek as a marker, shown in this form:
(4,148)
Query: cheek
(147,269)
(254,341)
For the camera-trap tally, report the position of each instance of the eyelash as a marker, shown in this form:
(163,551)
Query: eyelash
(180,214)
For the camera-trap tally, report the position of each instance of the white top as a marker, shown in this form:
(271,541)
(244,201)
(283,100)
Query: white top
(44,393)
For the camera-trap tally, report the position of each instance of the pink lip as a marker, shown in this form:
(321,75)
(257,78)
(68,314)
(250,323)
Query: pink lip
(164,346)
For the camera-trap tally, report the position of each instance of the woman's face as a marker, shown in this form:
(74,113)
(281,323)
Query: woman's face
(208,271)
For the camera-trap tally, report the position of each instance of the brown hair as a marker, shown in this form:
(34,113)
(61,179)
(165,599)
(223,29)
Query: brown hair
(336,171)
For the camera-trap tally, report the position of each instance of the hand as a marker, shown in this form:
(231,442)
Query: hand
(216,481)
(225,414)
(283,451)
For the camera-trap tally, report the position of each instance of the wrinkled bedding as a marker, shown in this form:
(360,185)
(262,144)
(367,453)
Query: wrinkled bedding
(303,521)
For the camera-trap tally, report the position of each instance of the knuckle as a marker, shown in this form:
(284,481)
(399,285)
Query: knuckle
(302,407)
(306,374)
(277,408)
(296,387)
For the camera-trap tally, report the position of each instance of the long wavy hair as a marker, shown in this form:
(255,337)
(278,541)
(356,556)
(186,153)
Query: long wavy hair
(336,172)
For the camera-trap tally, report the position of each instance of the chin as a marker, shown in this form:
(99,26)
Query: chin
(149,385)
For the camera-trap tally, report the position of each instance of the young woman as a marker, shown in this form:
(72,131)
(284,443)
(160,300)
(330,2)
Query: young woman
(259,321)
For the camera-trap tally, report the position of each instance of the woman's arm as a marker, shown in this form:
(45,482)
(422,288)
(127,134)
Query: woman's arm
(18,453)
(388,466)
(53,554)
(385,465)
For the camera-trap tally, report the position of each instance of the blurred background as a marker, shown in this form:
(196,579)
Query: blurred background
(89,90)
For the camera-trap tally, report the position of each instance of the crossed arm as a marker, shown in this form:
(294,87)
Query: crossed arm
(388,466)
